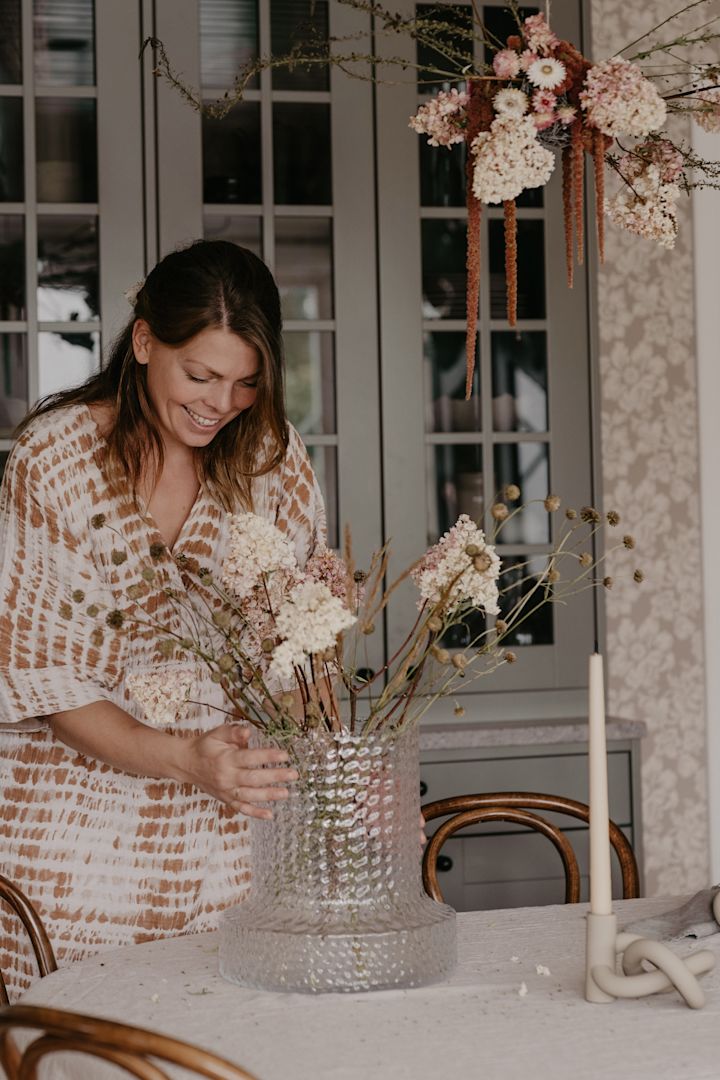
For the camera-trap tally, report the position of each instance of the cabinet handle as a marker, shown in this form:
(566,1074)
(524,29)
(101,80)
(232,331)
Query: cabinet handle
(423,789)
(444,863)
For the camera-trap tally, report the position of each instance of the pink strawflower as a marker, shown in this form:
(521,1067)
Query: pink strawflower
(566,113)
(544,120)
(707,114)
(443,118)
(619,100)
(506,64)
(544,101)
(527,57)
(539,36)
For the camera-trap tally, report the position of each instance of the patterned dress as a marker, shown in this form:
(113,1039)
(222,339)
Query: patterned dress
(107,858)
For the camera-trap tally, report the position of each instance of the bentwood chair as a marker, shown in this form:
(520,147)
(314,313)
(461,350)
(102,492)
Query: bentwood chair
(135,1050)
(16,899)
(517,807)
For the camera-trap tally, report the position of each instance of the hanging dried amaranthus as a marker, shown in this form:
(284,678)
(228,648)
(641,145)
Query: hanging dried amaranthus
(568,213)
(511,260)
(479,118)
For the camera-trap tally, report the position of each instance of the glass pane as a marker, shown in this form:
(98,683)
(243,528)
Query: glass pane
(446,407)
(519,374)
(443,269)
(530,269)
(245,231)
(66,150)
(12,267)
(68,280)
(310,381)
(66,360)
(527,465)
(10,42)
(442,174)
(228,40)
(324,462)
(458,47)
(13,381)
(518,576)
(301,148)
(457,487)
(12,156)
(231,156)
(291,23)
(64,42)
(304,267)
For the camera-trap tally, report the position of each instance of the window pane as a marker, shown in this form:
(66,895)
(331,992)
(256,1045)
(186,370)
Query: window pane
(291,23)
(304,267)
(519,373)
(68,280)
(13,382)
(518,576)
(245,231)
(301,148)
(446,407)
(228,40)
(4,455)
(458,43)
(310,381)
(456,487)
(64,42)
(527,465)
(10,42)
(443,269)
(12,156)
(231,156)
(66,360)
(12,267)
(442,174)
(66,150)
(324,462)
(530,269)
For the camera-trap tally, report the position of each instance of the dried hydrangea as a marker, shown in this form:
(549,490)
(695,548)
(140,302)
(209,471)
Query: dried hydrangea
(162,698)
(619,100)
(325,566)
(448,572)
(509,159)
(648,208)
(443,118)
(538,35)
(708,115)
(309,622)
(256,549)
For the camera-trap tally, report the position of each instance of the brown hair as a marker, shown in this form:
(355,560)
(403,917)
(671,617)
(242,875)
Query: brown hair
(209,284)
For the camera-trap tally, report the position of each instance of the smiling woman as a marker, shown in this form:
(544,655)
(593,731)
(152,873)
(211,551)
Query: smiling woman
(117,831)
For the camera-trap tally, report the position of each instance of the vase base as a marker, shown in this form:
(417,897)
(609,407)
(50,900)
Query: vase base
(301,960)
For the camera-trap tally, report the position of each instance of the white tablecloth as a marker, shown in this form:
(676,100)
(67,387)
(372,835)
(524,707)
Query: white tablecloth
(475,1025)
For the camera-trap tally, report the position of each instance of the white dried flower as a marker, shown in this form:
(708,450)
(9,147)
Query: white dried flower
(256,549)
(309,621)
(547,73)
(510,102)
(162,698)
(448,573)
(619,100)
(443,118)
(509,159)
(648,208)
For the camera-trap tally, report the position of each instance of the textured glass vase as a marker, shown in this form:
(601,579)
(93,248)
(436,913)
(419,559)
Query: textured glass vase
(336,901)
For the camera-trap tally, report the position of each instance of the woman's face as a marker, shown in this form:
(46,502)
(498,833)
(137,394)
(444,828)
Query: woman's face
(199,387)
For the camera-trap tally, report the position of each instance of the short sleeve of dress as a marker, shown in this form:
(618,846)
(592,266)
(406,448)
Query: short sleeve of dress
(299,505)
(49,661)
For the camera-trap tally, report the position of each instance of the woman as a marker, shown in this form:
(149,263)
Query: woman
(117,831)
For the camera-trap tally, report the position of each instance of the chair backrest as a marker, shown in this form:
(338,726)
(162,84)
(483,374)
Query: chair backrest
(134,1049)
(515,806)
(44,955)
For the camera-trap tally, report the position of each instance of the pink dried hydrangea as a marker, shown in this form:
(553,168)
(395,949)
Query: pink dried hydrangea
(648,207)
(325,566)
(509,159)
(539,36)
(708,115)
(619,100)
(443,118)
(506,64)
(660,152)
(544,101)
(449,573)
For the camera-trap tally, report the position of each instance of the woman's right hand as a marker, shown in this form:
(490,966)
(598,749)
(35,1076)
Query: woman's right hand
(220,764)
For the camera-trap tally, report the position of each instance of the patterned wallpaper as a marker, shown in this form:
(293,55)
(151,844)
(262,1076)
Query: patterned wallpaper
(650,474)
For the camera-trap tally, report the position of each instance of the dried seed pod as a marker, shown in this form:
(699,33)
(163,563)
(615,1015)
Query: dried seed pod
(552,503)
(499,511)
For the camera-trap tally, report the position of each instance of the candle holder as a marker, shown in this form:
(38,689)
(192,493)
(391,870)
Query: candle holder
(604,945)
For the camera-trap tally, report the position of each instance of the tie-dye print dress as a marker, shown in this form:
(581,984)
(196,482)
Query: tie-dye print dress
(107,858)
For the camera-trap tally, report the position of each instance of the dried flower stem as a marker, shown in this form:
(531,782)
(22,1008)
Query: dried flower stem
(567,193)
(511,260)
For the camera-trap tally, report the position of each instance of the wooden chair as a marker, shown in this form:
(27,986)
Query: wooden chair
(131,1048)
(44,955)
(517,807)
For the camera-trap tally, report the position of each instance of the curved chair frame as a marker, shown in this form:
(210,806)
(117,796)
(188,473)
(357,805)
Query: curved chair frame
(122,1044)
(515,806)
(16,899)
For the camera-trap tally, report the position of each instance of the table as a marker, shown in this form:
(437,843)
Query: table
(475,1025)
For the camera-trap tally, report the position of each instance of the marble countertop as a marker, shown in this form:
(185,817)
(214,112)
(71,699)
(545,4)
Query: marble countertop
(522,733)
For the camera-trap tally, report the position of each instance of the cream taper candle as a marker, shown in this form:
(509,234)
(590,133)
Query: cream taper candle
(600,886)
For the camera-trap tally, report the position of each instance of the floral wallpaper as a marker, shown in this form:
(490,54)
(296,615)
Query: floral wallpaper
(650,473)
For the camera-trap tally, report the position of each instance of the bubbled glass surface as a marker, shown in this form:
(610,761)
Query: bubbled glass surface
(337,901)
